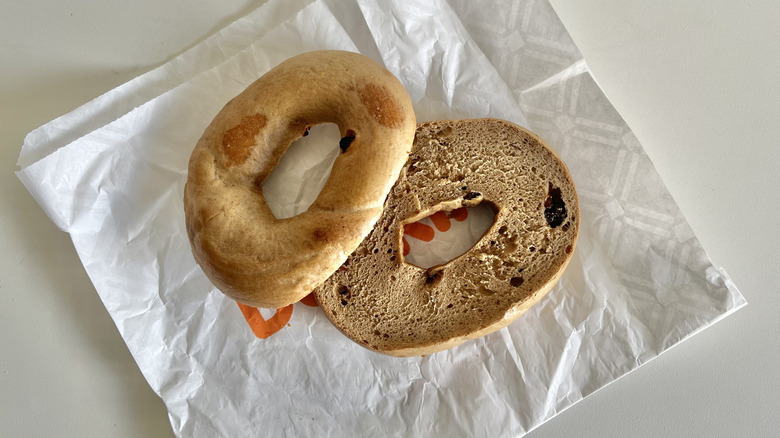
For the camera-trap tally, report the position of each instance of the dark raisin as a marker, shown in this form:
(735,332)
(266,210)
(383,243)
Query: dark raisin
(516,281)
(343,302)
(345,142)
(471,195)
(555,208)
(432,277)
(449,306)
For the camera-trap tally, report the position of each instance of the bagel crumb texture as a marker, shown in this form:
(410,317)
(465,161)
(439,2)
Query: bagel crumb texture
(393,307)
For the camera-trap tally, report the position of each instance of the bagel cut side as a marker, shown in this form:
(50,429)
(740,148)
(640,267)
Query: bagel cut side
(248,253)
(392,307)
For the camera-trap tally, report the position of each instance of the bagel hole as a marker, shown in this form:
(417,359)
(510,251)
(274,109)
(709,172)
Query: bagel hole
(295,182)
(444,235)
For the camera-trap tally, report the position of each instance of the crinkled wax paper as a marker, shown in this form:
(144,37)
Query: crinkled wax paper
(112,172)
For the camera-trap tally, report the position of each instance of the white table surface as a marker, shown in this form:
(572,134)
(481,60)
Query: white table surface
(698,82)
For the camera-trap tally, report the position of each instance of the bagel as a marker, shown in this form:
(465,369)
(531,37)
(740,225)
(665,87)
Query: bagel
(249,254)
(392,307)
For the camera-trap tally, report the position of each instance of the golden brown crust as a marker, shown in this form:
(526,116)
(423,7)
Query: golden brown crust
(244,250)
(396,308)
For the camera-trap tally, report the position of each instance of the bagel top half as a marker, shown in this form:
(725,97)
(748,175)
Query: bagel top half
(247,252)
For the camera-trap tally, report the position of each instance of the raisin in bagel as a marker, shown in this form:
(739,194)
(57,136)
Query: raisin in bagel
(395,308)
(249,254)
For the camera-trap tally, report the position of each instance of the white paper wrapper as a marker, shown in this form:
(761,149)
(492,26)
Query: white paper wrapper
(112,172)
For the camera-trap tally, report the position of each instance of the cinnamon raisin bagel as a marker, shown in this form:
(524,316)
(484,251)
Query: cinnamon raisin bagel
(249,254)
(392,307)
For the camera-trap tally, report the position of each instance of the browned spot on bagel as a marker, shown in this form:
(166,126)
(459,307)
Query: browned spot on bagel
(320,235)
(382,105)
(238,141)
